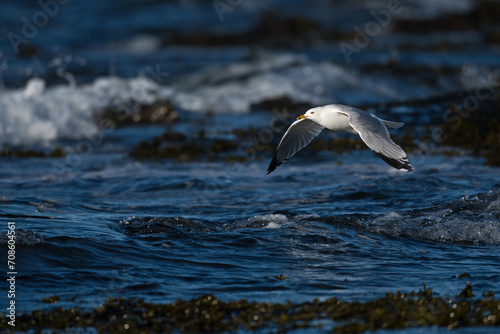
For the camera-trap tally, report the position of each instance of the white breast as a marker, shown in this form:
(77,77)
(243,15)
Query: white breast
(336,121)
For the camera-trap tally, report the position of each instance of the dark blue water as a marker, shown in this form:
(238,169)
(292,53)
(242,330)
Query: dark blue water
(164,230)
(98,223)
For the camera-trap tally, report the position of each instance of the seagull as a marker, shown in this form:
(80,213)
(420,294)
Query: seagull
(337,117)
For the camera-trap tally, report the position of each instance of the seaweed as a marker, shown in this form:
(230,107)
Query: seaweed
(160,112)
(180,147)
(245,147)
(31,153)
(477,131)
(209,314)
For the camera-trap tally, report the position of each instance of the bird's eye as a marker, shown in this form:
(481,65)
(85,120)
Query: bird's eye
(312,112)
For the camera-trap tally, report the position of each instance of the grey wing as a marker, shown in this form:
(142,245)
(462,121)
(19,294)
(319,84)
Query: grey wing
(298,135)
(374,133)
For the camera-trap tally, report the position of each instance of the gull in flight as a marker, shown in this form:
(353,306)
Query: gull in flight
(337,117)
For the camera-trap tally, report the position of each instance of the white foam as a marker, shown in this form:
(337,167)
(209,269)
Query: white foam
(446,225)
(234,88)
(37,114)
(138,44)
(494,206)
(276,220)
(389,216)
(270,220)
(28,238)
(272,225)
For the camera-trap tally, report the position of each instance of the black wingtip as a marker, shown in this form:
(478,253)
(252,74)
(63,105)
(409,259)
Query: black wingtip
(398,164)
(272,166)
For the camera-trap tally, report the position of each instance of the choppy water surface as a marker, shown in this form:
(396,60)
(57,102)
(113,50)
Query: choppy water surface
(98,222)
(164,230)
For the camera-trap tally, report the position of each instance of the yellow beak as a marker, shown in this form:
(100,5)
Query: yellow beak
(301,116)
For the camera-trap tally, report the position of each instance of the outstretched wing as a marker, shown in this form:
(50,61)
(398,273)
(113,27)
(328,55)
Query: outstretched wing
(376,136)
(298,135)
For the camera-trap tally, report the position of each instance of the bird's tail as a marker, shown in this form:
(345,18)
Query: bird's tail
(392,125)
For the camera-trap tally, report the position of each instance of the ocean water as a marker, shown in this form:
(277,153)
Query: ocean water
(99,223)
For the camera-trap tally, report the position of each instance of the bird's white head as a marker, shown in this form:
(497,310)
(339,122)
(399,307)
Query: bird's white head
(331,117)
(312,114)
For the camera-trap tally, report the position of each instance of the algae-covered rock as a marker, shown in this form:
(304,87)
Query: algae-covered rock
(182,148)
(208,314)
(158,113)
(51,300)
(474,129)
(32,153)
